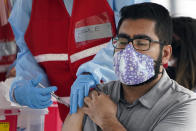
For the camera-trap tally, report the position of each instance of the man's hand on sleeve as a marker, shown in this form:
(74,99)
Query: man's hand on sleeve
(29,94)
(100,108)
(79,90)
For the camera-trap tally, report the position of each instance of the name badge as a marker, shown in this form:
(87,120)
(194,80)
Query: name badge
(93,32)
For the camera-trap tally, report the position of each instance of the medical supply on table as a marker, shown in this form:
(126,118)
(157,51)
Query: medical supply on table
(32,119)
(8,119)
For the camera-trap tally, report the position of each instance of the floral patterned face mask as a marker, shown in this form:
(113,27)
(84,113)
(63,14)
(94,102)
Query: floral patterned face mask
(132,67)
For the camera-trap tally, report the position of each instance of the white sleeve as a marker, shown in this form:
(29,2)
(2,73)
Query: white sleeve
(101,67)
(26,66)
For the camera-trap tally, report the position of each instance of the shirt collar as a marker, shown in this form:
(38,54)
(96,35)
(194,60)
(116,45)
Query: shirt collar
(152,96)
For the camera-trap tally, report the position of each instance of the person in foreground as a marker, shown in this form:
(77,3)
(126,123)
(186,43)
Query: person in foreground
(144,98)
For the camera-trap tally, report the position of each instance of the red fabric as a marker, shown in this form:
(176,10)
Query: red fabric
(165,65)
(51,30)
(52,120)
(4,61)
(9,59)
(2,76)
(10,119)
(6,35)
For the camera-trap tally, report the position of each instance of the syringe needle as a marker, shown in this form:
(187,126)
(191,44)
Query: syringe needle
(55,96)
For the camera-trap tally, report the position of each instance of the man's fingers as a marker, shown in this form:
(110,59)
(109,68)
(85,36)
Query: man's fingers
(87,101)
(85,109)
(94,94)
(103,94)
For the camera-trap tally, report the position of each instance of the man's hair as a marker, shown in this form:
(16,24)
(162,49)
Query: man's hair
(184,50)
(151,11)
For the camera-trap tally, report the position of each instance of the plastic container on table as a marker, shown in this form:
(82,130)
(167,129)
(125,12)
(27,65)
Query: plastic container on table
(31,119)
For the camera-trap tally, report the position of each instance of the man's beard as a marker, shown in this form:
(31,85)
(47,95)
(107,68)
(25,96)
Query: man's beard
(157,66)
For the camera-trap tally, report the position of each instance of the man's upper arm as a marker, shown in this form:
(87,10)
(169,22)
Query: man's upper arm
(74,122)
(182,118)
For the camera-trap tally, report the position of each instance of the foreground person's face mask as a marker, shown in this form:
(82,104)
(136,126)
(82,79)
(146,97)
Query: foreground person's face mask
(132,67)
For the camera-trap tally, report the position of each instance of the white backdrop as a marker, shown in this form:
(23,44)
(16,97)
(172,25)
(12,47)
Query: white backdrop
(179,7)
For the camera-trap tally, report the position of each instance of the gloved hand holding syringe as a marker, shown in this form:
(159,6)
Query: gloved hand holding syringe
(59,99)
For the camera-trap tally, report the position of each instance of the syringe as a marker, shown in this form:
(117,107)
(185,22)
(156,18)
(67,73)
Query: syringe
(56,97)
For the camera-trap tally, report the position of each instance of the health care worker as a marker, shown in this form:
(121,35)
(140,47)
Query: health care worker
(100,69)
(54,38)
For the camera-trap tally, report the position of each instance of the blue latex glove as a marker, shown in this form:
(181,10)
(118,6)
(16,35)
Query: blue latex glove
(29,94)
(79,90)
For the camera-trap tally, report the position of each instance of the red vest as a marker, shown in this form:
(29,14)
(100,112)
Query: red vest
(8,52)
(61,43)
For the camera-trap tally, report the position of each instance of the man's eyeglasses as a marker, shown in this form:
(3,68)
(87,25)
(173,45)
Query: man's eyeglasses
(141,43)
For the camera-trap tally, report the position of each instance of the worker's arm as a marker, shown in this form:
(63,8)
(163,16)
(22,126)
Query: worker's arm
(26,66)
(23,89)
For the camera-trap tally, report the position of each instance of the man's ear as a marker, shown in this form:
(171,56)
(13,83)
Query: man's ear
(166,54)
